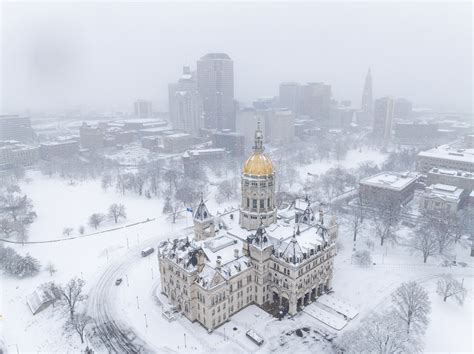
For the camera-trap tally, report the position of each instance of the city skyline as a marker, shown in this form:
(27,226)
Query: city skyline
(73,56)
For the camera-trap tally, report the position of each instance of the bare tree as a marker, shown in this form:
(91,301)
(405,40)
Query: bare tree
(412,306)
(355,217)
(106,181)
(443,227)
(96,219)
(50,267)
(17,206)
(117,211)
(21,230)
(70,294)
(173,209)
(448,286)
(78,324)
(362,258)
(67,231)
(225,191)
(385,217)
(381,333)
(424,240)
(81,229)
(7,226)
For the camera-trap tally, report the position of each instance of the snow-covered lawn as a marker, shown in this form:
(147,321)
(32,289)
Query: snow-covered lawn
(352,160)
(365,289)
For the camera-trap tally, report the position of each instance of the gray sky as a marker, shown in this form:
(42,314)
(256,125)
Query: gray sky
(106,55)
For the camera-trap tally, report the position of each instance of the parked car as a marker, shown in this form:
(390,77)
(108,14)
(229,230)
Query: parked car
(147,251)
(118,281)
(254,337)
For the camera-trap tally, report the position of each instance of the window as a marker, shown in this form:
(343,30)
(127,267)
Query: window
(268,203)
(262,202)
(248,202)
(254,203)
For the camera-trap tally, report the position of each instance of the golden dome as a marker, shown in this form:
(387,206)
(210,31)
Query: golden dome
(258,164)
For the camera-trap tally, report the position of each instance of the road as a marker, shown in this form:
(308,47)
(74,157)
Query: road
(113,333)
(110,330)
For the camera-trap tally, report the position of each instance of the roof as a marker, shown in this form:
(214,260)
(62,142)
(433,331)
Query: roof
(214,56)
(391,180)
(450,172)
(449,153)
(202,213)
(258,164)
(443,191)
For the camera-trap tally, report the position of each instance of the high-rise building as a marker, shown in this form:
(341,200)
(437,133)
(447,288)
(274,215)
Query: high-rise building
(312,99)
(280,126)
(289,96)
(185,104)
(215,79)
(383,117)
(366,115)
(13,127)
(143,109)
(402,108)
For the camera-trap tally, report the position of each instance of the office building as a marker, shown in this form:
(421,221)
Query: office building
(185,104)
(383,118)
(13,127)
(215,79)
(143,109)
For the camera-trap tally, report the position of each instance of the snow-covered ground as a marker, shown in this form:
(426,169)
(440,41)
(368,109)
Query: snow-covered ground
(99,259)
(352,160)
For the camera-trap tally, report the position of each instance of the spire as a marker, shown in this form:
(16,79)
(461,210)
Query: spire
(258,147)
(202,213)
(321,215)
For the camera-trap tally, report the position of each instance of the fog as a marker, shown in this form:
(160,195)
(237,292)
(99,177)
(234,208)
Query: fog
(106,55)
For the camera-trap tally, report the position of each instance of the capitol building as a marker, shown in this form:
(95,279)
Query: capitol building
(279,260)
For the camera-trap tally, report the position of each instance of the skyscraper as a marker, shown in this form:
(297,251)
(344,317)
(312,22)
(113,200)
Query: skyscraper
(366,115)
(185,104)
(312,99)
(383,117)
(143,109)
(289,96)
(215,79)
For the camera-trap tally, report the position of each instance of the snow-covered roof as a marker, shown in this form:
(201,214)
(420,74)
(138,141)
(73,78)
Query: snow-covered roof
(450,172)
(39,299)
(444,192)
(449,153)
(391,180)
(202,213)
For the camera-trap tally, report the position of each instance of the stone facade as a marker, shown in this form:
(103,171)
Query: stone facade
(281,265)
(258,188)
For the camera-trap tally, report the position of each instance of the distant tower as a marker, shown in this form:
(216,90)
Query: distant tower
(185,104)
(383,117)
(143,109)
(258,188)
(203,222)
(215,79)
(367,106)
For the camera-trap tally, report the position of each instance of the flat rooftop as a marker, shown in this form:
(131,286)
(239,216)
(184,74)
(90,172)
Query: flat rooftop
(449,153)
(444,191)
(453,173)
(391,180)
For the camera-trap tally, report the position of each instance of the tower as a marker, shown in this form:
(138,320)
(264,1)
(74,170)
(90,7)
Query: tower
(185,104)
(367,105)
(215,79)
(258,188)
(203,222)
(383,117)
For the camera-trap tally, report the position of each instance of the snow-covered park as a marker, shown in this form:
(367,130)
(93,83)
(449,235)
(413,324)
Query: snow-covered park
(102,256)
